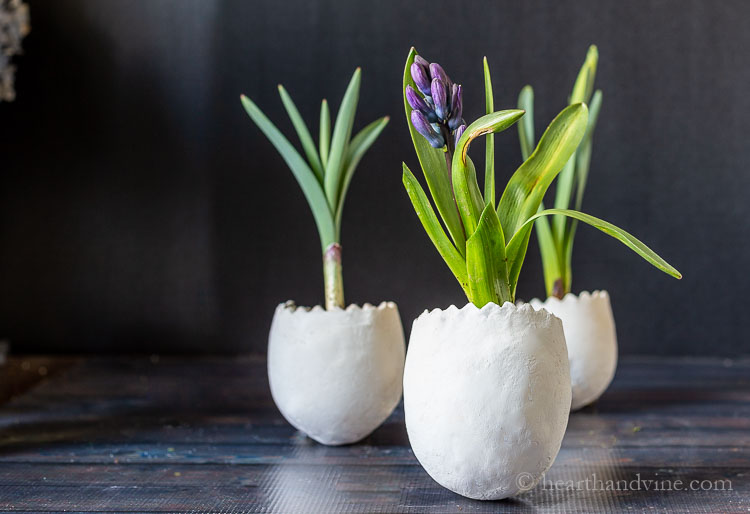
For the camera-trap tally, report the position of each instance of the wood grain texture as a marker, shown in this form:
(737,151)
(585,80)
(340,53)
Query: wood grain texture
(202,435)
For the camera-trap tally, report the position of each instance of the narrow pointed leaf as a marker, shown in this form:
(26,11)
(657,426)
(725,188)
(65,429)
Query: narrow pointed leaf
(550,259)
(584,83)
(526,188)
(489,154)
(462,180)
(305,176)
(567,180)
(434,230)
(563,193)
(342,131)
(621,235)
(357,148)
(324,135)
(308,145)
(485,261)
(526,125)
(432,161)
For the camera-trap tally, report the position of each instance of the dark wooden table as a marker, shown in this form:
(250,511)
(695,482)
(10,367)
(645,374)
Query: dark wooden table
(202,435)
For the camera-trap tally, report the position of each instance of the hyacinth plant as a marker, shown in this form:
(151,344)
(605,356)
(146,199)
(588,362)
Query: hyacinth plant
(488,240)
(328,171)
(556,240)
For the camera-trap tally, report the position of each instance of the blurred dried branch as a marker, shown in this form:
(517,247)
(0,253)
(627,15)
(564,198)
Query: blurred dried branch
(14,25)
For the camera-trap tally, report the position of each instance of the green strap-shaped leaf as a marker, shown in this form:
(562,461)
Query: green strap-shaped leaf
(489,152)
(582,89)
(324,134)
(550,260)
(342,131)
(526,188)
(584,83)
(485,261)
(526,125)
(432,161)
(434,230)
(462,183)
(308,145)
(563,192)
(515,253)
(583,161)
(305,176)
(357,148)
(624,237)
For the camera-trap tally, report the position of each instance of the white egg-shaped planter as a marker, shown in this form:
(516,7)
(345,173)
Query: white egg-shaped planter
(336,375)
(592,342)
(486,397)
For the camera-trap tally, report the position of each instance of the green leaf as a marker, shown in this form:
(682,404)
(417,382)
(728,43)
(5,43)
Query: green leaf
(515,253)
(435,169)
(583,161)
(357,148)
(584,83)
(324,134)
(566,181)
(550,258)
(305,176)
(624,237)
(308,145)
(462,180)
(434,230)
(485,261)
(526,188)
(489,155)
(526,125)
(342,131)
(563,192)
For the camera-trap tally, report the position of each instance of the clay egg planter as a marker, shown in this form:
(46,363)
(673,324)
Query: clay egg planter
(592,342)
(487,397)
(336,375)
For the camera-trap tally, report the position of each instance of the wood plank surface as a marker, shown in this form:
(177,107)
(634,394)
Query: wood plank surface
(150,434)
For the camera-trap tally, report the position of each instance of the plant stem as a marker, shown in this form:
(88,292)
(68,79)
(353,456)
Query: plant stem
(333,278)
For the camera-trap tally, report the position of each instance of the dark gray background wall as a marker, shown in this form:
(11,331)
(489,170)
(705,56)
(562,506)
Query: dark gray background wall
(141,210)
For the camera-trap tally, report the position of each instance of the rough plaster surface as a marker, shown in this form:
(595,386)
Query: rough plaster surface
(592,342)
(486,397)
(336,375)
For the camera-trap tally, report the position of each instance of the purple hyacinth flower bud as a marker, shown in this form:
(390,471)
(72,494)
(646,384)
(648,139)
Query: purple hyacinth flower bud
(423,126)
(437,72)
(459,132)
(422,62)
(456,107)
(421,78)
(415,100)
(440,97)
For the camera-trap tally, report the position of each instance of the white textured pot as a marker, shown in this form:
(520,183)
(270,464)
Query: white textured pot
(336,375)
(486,397)
(592,342)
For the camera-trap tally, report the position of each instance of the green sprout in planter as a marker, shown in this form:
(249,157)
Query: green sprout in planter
(556,241)
(326,175)
(488,241)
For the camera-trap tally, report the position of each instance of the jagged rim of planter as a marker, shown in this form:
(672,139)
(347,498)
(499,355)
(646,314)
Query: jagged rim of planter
(291,307)
(583,296)
(490,309)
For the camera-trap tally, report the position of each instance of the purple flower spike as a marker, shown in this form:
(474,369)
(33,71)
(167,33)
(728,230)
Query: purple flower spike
(437,72)
(456,107)
(440,97)
(423,126)
(459,132)
(421,78)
